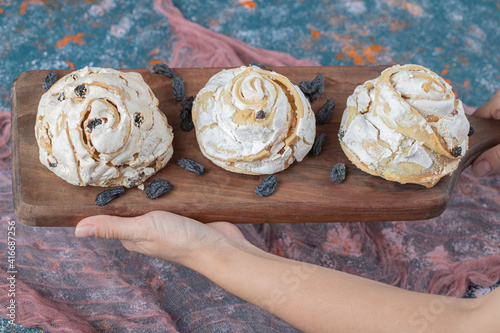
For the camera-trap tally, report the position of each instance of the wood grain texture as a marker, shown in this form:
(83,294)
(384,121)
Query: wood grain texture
(305,192)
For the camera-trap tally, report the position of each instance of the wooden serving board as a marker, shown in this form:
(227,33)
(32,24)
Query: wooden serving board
(305,192)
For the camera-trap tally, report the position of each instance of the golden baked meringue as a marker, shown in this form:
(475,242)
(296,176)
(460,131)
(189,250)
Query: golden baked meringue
(405,126)
(253,121)
(102,127)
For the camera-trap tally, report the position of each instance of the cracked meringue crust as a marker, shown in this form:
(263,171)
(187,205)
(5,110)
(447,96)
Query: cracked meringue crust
(405,126)
(102,127)
(253,121)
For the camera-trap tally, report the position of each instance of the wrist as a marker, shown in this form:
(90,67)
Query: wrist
(210,257)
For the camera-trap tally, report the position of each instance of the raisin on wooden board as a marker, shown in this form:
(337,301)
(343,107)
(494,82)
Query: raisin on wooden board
(313,89)
(50,79)
(338,173)
(186,116)
(267,186)
(341,134)
(256,64)
(318,144)
(471,131)
(325,113)
(178,88)
(187,103)
(191,165)
(163,69)
(157,188)
(108,195)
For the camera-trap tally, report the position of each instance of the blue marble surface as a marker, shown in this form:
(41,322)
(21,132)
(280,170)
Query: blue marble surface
(458,39)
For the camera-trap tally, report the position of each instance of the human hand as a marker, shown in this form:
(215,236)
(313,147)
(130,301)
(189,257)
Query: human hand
(161,234)
(488,161)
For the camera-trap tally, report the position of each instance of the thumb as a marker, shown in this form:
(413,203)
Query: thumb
(113,227)
(490,110)
(487,162)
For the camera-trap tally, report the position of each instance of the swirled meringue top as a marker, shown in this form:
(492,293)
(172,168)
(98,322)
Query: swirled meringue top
(405,125)
(99,126)
(250,120)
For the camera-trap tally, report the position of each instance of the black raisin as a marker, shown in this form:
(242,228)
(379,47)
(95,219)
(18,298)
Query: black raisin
(186,117)
(187,103)
(138,119)
(338,173)
(256,64)
(178,88)
(108,195)
(93,124)
(186,120)
(80,90)
(471,131)
(50,79)
(457,151)
(341,134)
(163,69)
(157,188)
(325,113)
(52,164)
(260,114)
(61,97)
(267,186)
(191,165)
(313,89)
(318,144)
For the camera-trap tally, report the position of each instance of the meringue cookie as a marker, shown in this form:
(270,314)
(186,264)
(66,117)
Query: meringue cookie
(253,121)
(102,127)
(405,126)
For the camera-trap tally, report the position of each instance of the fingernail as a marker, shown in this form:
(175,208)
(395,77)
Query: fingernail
(85,231)
(482,168)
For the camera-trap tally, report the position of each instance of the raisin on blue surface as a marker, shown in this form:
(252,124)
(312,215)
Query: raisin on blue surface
(471,131)
(186,116)
(313,89)
(50,79)
(163,69)
(93,124)
(178,88)
(338,173)
(191,165)
(157,188)
(267,186)
(80,90)
(325,113)
(318,144)
(108,195)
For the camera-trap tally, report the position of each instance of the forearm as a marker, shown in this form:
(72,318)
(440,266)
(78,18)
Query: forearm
(318,299)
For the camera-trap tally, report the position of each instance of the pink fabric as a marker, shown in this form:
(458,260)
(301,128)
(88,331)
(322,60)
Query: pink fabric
(65,284)
(197,46)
